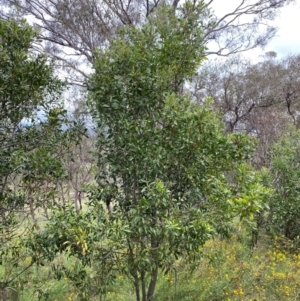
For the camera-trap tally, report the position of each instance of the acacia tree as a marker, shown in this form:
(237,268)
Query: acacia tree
(162,161)
(82,26)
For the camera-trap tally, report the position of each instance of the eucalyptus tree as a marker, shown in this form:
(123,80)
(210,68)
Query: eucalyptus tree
(259,99)
(73,30)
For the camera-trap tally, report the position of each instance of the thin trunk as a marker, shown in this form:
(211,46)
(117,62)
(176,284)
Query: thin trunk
(45,203)
(76,202)
(254,239)
(76,194)
(62,194)
(153,255)
(134,189)
(32,211)
(152,284)
(133,272)
(144,292)
(137,288)
(69,190)
(79,200)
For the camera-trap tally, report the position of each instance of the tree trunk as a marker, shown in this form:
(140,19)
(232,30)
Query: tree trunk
(144,293)
(76,194)
(137,288)
(80,200)
(31,205)
(152,284)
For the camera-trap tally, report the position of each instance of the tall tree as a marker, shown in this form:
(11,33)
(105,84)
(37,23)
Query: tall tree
(79,27)
(163,160)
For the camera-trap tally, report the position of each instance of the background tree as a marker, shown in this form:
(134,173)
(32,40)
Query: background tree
(285,203)
(259,99)
(80,27)
(80,165)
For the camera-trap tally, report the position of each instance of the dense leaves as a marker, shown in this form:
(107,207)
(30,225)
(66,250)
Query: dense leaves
(162,159)
(170,176)
(285,204)
(31,116)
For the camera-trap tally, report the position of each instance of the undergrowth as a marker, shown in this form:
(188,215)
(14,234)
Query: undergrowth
(228,271)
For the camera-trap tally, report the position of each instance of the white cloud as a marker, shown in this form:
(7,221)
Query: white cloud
(287,39)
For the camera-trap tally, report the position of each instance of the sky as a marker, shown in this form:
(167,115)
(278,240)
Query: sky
(287,39)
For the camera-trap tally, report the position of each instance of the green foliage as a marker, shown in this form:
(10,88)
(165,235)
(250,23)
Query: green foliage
(163,160)
(169,179)
(173,177)
(32,142)
(143,64)
(26,79)
(228,270)
(31,117)
(146,129)
(285,203)
(28,89)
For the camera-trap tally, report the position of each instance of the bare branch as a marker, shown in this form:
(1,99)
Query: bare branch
(83,26)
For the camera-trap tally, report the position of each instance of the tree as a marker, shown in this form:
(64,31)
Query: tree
(28,91)
(284,168)
(163,161)
(260,99)
(81,27)
(30,118)
(81,168)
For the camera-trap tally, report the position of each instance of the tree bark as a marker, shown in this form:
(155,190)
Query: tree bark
(152,284)
(144,293)
(137,288)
